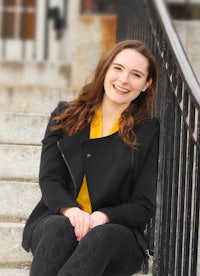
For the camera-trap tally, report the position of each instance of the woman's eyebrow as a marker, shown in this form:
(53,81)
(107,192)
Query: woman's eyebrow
(114,63)
(137,71)
(133,70)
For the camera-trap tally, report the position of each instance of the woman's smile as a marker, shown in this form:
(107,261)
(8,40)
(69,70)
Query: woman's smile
(120,89)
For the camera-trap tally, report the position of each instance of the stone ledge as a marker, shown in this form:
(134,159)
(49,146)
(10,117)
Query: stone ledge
(32,73)
(32,128)
(22,197)
(33,99)
(14,272)
(11,251)
(19,161)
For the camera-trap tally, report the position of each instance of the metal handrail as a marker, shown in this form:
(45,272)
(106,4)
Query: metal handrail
(177,48)
(173,234)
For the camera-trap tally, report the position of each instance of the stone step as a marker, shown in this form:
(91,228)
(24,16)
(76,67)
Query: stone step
(21,196)
(30,73)
(33,99)
(11,252)
(25,272)
(19,162)
(14,272)
(22,128)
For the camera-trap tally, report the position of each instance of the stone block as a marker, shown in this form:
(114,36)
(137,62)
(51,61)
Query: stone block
(11,252)
(17,199)
(34,73)
(33,99)
(14,272)
(19,162)
(22,128)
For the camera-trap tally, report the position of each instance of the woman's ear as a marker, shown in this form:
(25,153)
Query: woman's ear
(148,83)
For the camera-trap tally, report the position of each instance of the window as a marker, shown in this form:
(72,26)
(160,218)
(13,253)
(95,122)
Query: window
(17,19)
(97,6)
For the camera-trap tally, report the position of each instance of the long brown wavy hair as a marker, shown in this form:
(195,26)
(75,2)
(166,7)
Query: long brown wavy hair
(80,112)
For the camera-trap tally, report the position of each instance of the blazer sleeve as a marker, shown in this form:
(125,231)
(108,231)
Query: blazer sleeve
(54,178)
(141,205)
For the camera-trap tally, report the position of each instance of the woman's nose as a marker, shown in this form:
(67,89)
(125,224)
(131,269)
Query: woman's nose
(124,77)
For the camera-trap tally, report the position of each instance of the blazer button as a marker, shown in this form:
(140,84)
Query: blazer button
(89,155)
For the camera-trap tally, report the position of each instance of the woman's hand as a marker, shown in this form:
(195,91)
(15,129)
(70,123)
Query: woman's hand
(83,221)
(98,218)
(80,220)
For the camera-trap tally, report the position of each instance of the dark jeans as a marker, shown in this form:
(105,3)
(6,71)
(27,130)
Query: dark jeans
(106,250)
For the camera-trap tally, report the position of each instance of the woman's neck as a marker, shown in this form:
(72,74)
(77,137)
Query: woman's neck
(110,113)
(111,110)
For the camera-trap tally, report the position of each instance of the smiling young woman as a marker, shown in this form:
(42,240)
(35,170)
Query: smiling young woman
(98,172)
(81,111)
(125,79)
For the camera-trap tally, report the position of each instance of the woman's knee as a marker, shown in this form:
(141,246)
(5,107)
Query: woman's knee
(53,229)
(107,234)
(55,225)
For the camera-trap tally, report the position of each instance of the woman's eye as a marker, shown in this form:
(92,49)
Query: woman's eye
(117,68)
(136,75)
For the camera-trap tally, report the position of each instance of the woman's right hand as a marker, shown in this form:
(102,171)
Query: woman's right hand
(79,219)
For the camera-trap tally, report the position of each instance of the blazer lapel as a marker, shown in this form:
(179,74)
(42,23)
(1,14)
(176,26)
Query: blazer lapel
(71,150)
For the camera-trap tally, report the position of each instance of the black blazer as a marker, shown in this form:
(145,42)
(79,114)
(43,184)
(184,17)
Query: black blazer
(121,181)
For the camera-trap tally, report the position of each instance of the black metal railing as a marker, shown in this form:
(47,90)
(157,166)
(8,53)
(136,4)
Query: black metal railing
(174,240)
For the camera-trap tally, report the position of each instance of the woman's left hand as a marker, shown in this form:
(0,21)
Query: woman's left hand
(98,218)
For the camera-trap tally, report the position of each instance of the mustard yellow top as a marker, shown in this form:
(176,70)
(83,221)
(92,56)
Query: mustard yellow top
(83,197)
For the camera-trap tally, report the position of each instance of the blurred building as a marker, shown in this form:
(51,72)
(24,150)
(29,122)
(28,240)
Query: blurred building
(66,34)
(58,42)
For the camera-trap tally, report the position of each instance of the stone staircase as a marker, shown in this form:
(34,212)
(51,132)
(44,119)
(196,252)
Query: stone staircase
(24,115)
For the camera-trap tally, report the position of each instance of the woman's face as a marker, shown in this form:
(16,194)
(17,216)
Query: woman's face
(126,78)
